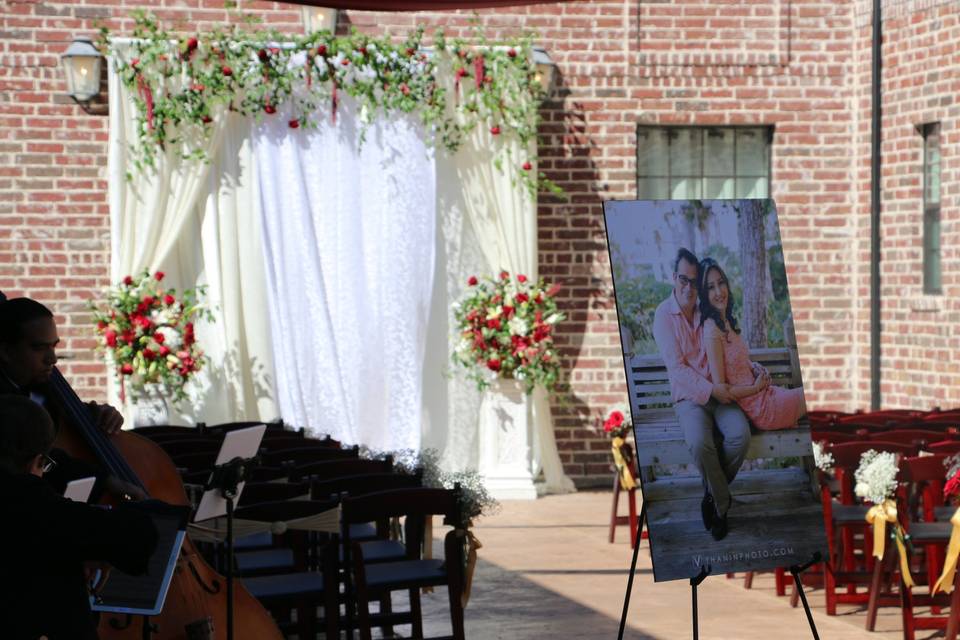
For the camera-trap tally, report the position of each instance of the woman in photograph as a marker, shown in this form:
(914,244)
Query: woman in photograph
(728,356)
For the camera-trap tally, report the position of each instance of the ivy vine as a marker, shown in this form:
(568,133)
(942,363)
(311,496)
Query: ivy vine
(182,83)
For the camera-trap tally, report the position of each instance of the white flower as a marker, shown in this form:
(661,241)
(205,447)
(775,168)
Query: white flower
(161,316)
(495,313)
(171,337)
(821,458)
(518,326)
(553,318)
(876,477)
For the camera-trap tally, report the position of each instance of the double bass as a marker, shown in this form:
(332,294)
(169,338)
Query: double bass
(196,603)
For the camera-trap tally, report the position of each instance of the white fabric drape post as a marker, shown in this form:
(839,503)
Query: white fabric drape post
(349,237)
(196,222)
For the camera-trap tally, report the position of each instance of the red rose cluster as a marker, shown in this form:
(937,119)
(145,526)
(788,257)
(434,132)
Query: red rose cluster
(506,330)
(615,424)
(149,332)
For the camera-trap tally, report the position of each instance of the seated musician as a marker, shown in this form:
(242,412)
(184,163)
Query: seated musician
(46,538)
(28,341)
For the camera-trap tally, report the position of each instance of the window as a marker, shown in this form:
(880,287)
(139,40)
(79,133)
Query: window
(680,163)
(931,208)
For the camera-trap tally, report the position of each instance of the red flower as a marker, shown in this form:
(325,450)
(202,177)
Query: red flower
(126,369)
(225,70)
(345,62)
(493,364)
(527,166)
(164,350)
(206,119)
(472,281)
(322,50)
(269,109)
(495,130)
(101,325)
(159,337)
(404,89)
(168,299)
(128,336)
(110,337)
(141,309)
(553,290)
(362,50)
(473,315)
(493,323)
(461,72)
(149,354)
(521,278)
(159,275)
(507,311)
(294,123)
(128,280)
(192,44)
(512,53)
(504,275)
(148,300)
(263,55)
(410,51)
(616,418)
(521,298)
(952,488)
(135,62)
(541,332)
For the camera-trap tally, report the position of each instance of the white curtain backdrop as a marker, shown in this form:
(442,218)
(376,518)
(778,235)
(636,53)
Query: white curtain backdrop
(349,240)
(185,219)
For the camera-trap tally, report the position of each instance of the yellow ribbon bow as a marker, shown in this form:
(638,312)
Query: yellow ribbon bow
(945,581)
(623,467)
(878,516)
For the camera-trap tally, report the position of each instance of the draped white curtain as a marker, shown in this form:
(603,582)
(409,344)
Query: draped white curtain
(349,240)
(185,218)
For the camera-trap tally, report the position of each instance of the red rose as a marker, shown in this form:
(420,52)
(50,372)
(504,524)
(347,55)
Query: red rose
(168,299)
(493,323)
(227,71)
(539,298)
(196,86)
(472,281)
(521,298)
(345,62)
(952,488)
(404,89)
(527,166)
(159,275)
(362,50)
(473,315)
(110,337)
(141,309)
(128,336)
(126,369)
(616,418)
(495,130)
(159,337)
(504,275)
(461,72)
(269,109)
(206,119)
(322,50)
(507,311)
(496,299)
(148,300)
(101,325)
(541,332)
(164,350)
(128,280)
(192,44)
(293,124)
(512,53)
(493,364)
(521,278)
(262,54)
(149,354)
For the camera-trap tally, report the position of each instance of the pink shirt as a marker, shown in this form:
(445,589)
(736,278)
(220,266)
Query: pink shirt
(679,344)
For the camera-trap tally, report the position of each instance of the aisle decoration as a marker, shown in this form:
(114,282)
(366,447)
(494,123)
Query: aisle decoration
(822,458)
(184,83)
(876,482)
(148,332)
(951,492)
(617,427)
(506,331)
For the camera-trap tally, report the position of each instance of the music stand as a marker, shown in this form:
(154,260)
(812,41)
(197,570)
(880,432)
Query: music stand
(236,457)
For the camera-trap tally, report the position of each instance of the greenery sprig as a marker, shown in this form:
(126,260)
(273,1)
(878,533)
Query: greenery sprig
(182,84)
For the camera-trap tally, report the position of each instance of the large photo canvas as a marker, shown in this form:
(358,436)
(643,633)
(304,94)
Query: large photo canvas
(716,396)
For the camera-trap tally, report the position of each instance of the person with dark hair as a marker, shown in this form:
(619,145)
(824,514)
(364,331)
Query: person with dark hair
(28,342)
(728,357)
(46,538)
(714,428)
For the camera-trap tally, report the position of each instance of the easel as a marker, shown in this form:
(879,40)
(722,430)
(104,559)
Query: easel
(695,581)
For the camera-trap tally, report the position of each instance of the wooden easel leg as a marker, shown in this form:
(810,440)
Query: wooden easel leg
(633,571)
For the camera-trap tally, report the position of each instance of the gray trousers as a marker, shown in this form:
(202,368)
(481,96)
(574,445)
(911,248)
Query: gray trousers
(718,436)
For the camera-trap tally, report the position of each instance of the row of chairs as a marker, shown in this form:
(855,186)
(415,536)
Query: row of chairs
(296,572)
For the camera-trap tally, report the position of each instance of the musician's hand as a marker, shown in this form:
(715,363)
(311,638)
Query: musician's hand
(124,490)
(107,418)
(90,570)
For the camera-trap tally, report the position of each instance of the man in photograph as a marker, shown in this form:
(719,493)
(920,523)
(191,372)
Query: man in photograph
(714,427)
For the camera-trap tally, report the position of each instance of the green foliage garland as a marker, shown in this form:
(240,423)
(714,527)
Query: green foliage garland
(183,84)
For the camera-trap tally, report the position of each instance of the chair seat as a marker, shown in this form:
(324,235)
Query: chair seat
(930,532)
(254,540)
(284,586)
(364,531)
(847,513)
(266,559)
(410,573)
(381,551)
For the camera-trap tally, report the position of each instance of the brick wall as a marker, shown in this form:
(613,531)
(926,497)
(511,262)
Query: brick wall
(800,66)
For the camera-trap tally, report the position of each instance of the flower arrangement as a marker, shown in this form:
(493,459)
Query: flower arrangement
(182,84)
(876,477)
(616,425)
(149,333)
(951,490)
(821,458)
(506,331)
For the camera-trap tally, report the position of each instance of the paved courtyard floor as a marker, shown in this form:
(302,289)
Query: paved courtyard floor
(546,570)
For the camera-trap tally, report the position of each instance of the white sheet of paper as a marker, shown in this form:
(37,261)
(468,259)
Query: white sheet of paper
(79,490)
(242,443)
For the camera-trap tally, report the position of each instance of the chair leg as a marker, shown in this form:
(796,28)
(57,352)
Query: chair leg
(780,580)
(953,621)
(386,606)
(748,580)
(876,583)
(906,612)
(456,612)
(416,615)
(613,512)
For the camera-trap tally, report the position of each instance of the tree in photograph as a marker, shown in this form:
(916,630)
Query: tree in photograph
(753,261)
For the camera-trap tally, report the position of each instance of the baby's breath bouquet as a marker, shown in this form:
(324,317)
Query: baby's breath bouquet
(506,329)
(822,458)
(876,477)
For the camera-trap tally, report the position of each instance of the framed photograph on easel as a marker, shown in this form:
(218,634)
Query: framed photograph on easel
(716,393)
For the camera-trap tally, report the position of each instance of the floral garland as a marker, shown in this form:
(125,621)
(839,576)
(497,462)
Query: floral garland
(183,84)
(506,331)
